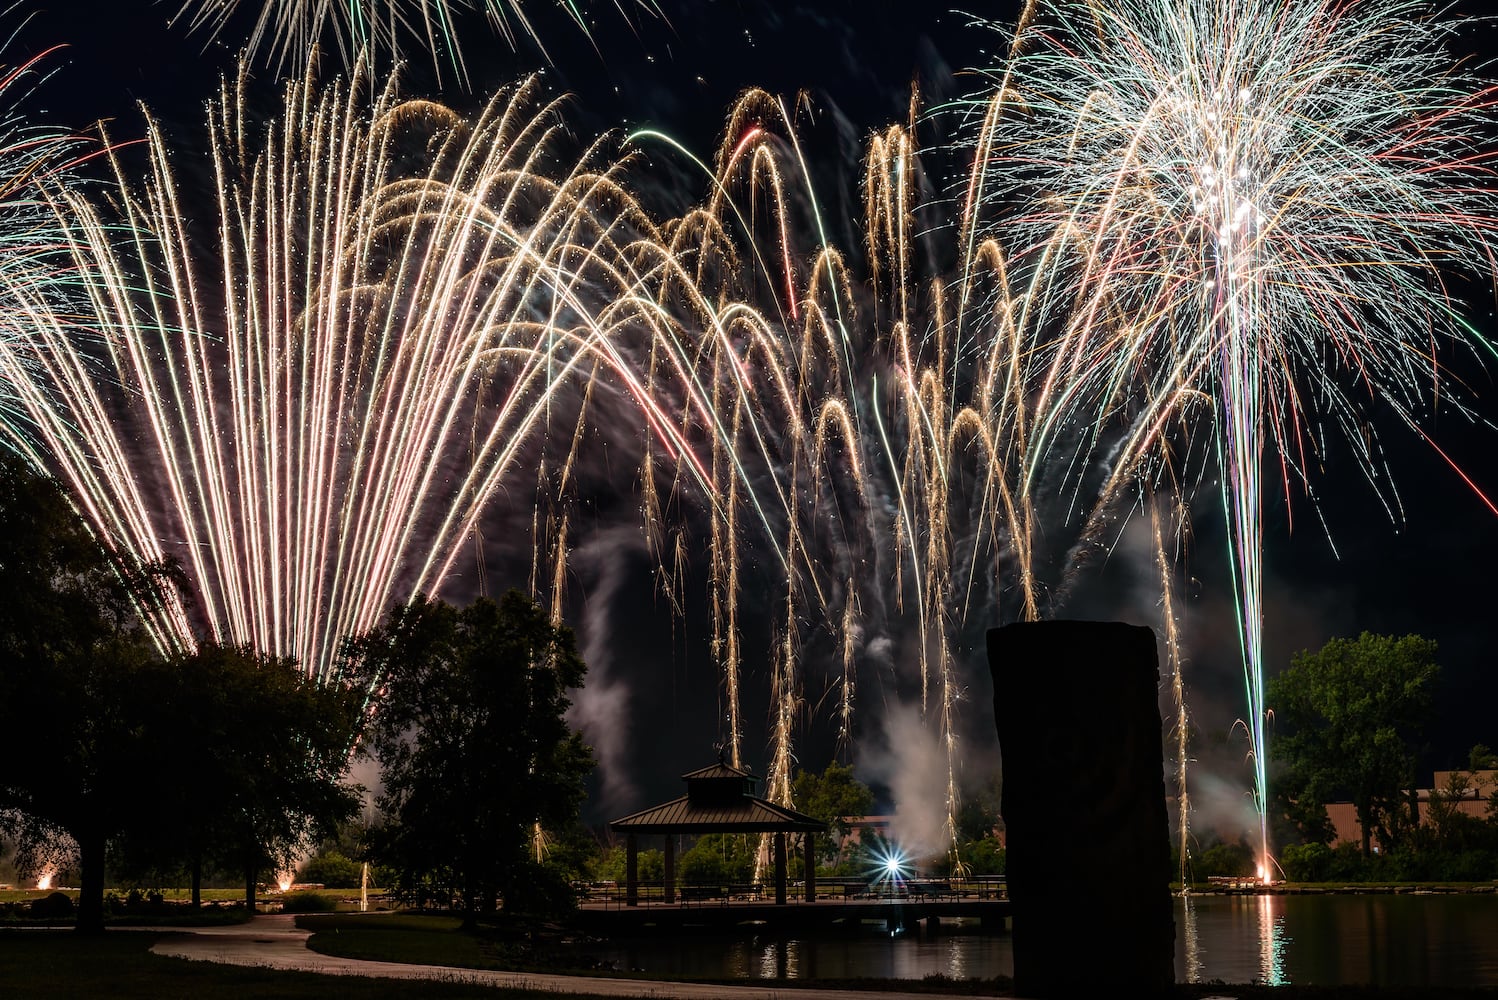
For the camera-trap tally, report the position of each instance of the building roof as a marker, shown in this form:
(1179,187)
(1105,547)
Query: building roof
(720,799)
(746,815)
(718,770)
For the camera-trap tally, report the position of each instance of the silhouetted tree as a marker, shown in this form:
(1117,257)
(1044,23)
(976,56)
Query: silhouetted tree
(251,759)
(1349,721)
(474,746)
(72,648)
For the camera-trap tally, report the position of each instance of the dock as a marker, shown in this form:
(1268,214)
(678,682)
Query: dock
(908,907)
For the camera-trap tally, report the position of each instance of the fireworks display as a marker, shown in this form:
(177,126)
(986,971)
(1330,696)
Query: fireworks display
(309,404)
(296,33)
(1186,243)
(37,279)
(1241,223)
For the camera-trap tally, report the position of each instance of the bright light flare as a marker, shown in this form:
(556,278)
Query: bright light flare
(891,866)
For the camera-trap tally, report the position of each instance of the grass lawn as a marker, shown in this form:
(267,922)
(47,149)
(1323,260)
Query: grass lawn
(118,965)
(220,906)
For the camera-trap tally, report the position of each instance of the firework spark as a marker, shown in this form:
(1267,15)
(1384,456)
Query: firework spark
(38,283)
(1253,206)
(292,33)
(311,418)
(396,319)
(866,429)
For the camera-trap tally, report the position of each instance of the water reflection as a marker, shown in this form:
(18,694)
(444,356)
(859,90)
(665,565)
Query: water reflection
(1273,942)
(957,961)
(1186,928)
(780,960)
(1314,940)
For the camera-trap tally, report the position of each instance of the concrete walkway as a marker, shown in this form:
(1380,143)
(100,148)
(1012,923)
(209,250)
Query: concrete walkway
(274,941)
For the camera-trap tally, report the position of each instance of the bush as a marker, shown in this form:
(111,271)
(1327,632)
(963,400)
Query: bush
(651,866)
(986,857)
(1306,862)
(137,902)
(717,857)
(541,890)
(333,870)
(1224,860)
(1347,865)
(53,906)
(307,902)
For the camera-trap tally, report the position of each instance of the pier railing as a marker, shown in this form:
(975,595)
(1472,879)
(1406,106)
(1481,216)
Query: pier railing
(829,890)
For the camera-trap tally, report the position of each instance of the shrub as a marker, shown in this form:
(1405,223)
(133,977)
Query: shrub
(1224,860)
(52,906)
(986,857)
(540,890)
(333,870)
(307,902)
(717,857)
(1347,865)
(1306,862)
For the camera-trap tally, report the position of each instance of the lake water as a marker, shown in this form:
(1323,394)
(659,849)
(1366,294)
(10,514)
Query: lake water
(1335,939)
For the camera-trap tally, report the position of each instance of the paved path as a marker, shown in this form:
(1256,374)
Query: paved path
(274,941)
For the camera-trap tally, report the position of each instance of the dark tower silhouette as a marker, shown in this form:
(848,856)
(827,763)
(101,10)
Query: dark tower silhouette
(1078,720)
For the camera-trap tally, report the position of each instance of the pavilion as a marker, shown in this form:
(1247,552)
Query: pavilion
(720,799)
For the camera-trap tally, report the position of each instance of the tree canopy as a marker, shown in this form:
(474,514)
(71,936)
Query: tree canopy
(1348,724)
(834,796)
(72,644)
(474,747)
(250,756)
(161,756)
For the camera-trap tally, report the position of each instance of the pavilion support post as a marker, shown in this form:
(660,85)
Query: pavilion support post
(809,863)
(780,867)
(669,889)
(631,871)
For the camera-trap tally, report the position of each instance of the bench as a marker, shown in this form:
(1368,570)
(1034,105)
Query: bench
(700,892)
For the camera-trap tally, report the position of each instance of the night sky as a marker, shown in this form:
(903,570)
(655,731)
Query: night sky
(1428,572)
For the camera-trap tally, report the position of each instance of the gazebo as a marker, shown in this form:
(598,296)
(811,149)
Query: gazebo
(720,799)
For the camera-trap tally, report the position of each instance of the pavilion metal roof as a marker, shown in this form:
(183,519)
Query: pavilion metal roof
(718,770)
(744,815)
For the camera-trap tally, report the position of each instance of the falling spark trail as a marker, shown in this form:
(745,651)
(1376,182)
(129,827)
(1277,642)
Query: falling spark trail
(1190,233)
(1254,204)
(293,33)
(317,439)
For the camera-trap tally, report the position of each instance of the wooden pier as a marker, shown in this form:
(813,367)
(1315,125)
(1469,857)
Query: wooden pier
(911,908)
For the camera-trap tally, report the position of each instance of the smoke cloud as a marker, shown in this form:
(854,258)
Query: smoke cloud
(601,709)
(909,760)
